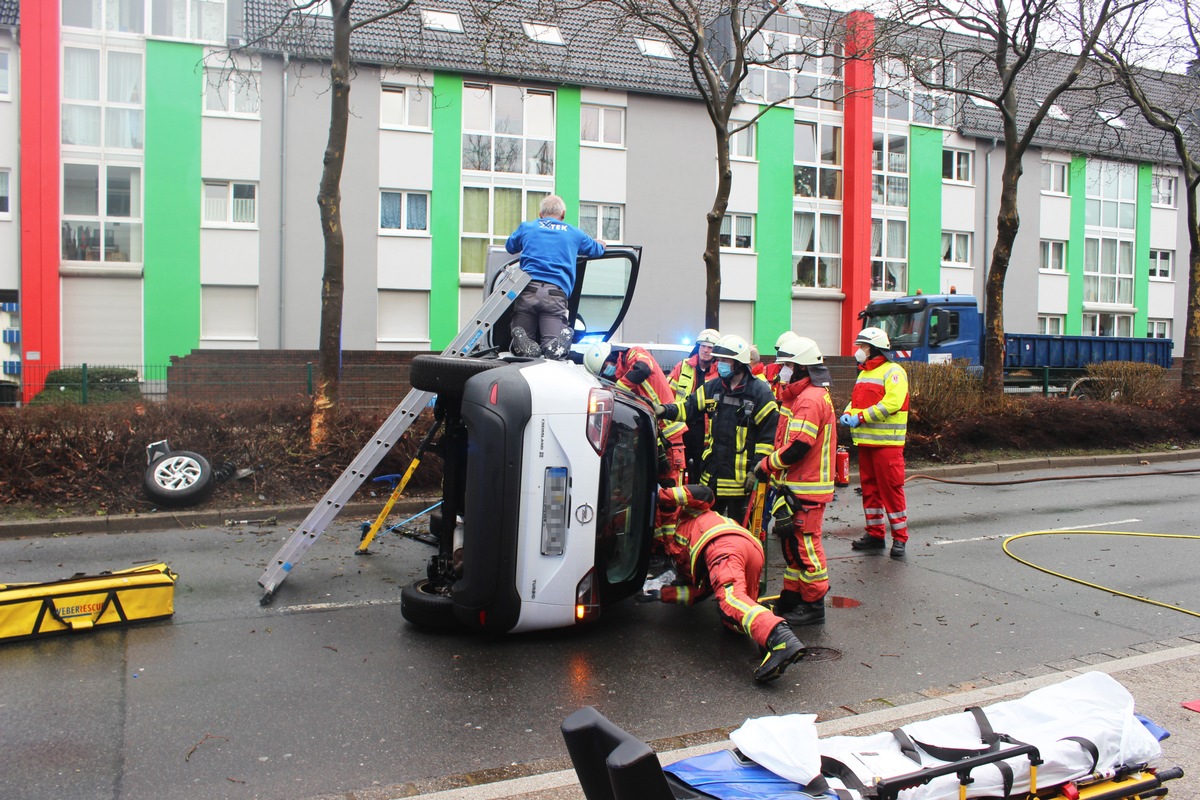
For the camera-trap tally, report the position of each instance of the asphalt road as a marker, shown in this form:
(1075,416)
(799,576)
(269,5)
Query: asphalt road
(328,690)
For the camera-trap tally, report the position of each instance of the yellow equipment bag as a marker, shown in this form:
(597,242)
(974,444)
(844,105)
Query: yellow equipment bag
(83,602)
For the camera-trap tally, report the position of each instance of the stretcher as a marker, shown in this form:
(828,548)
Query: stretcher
(1016,749)
(83,602)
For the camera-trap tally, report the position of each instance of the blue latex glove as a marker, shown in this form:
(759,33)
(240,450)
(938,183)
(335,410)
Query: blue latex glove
(850,420)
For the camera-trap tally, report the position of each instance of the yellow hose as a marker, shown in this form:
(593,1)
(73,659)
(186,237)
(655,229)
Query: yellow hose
(1010,554)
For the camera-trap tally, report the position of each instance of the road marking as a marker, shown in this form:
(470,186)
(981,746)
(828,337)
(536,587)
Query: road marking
(335,606)
(1068,528)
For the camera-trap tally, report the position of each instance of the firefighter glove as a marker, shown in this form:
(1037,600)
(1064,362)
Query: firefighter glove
(761,471)
(750,482)
(664,411)
(785,525)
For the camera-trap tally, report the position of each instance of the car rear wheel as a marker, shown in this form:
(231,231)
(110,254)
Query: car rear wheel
(426,608)
(446,375)
(179,478)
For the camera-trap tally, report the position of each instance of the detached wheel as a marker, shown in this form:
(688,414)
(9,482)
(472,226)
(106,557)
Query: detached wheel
(425,608)
(179,478)
(446,375)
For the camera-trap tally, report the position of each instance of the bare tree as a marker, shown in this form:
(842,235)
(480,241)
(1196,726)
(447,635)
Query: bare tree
(1018,57)
(1167,103)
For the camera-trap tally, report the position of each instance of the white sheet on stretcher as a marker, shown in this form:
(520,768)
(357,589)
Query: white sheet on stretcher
(1093,706)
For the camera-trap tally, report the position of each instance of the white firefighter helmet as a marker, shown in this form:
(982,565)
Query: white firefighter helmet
(709,336)
(804,351)
(786,345)
(876,337)
(733,347)
(783,338)
(596,355)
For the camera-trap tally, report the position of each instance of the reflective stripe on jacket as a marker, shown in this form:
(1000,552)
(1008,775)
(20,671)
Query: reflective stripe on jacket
(880,396)
(685,538)
(683,377)
(810,420)
(654,388)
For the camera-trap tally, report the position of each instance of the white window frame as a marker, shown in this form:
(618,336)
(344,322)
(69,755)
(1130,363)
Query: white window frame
(1051,324)
(494,235)
(1103,285)
(889,170)
(900,97)
(959,162)
(443,21)
(822,165)
(823,256)
(745,139)
(106,22)
(406,197)
(6,85)
(795,80)
(526,139)
(1163,190)
(959,249)
(729,236)
(593,216)
(1158,328)
(885,255)
(102,218)
(543,33)
(222,81)
(1111,197)
(654,48)
(229,201)
(1122,323)
(1057,112)
(6,193)
(1051,252)
(191,12)
(412,95)
(607,118)
(1112,118)
(1056,178)
(102,103)
(1162,265)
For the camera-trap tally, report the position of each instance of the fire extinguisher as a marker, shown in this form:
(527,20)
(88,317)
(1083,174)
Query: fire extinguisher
(841,467)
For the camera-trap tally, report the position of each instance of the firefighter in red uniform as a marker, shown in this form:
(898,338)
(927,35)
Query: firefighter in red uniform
(688,376)
(635,370)
(714,554)
(801,471)
(878,419)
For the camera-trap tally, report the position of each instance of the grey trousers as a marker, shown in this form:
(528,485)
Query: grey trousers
(541,309)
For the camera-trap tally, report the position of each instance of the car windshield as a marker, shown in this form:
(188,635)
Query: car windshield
(905,330)
(623,526)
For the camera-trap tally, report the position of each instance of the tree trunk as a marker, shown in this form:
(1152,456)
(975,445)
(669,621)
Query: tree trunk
(1191,341)
(712,238)
(329,200)
(1008,221)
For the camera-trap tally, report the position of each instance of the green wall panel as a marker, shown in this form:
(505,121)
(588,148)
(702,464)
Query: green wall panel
(446,200)
(171,282)
(566,151)
(925,198)
(1077,186)
(773,308)
(1141,250)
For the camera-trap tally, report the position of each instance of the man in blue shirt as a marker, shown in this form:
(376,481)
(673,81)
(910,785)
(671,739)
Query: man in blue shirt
(548,248)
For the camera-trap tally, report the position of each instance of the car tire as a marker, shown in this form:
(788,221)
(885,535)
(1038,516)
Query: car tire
(179,478)
(446,375)
(423,607)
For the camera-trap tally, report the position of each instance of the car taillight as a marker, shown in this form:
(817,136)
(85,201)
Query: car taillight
(554,511)
(599,418)
(587,598)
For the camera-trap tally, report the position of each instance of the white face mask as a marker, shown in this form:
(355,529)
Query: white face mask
(785,373)
(860,356)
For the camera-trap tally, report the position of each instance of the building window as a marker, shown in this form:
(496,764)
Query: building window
(231,92)
(230,203)
(1111,195)
(602,220)
(118,16)
(314,8)
(1107,324)
(5,91)
(404,107)
(818,166)
(489,215)
(542,32)
(900,96)
(1108,271)
(445,21)
(956,165)
(508,129)
(889,168)
(956,249)
(102,98)
(602,125)
(889,255)
(1054,255)
(1112,119)
(654,48)
(404,211)
(817,250)
(741,143)
(737,231)
(1162,191)
(1050,325)
(1160,264)
(795,78)
(5,208)
(102,213)
(1054,177)
(1158,329)
(202,20)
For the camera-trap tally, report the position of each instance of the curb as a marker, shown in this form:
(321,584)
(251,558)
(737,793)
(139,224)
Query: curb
(161,520)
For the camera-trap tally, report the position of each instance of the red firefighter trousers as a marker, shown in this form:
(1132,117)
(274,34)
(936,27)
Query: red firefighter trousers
(734,566)
(881,472)
(807,571)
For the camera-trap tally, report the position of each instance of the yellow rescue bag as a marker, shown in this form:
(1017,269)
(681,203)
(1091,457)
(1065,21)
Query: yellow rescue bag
(83,602)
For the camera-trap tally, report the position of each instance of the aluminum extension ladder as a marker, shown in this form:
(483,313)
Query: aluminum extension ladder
(508,286)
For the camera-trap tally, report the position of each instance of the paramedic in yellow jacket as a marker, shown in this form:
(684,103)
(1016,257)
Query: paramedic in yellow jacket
(714,554)
(878,418)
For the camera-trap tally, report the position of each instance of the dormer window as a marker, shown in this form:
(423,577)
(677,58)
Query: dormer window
(1112,119)
(982,103)
(541,32)
(447,21)
(654,48)
(1056,112)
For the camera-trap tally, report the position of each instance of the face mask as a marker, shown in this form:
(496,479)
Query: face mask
(860,356)
(608,371)
(785,373)
(724,369)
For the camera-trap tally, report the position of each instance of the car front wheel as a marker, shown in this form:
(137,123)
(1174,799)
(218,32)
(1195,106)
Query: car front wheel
(179,478)
(425,607)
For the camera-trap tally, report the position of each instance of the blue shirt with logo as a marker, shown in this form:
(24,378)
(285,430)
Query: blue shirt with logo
(548,249)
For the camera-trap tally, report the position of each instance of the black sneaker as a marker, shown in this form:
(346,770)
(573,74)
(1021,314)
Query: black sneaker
(782,649)
(559,346)
(805,614)
(897,550)
(522,346)
(868,542)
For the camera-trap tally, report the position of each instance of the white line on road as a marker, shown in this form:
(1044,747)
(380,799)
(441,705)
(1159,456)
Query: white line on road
(1068,528)
(336,606)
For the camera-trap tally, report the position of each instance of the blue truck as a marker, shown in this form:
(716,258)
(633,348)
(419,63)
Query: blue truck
(942,328)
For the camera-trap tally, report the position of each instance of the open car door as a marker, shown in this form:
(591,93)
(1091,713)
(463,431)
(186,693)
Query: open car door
(603,290)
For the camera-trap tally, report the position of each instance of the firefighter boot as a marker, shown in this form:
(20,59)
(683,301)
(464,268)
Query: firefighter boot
(782,649)
(869,543)
(805,614)
(522,346)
